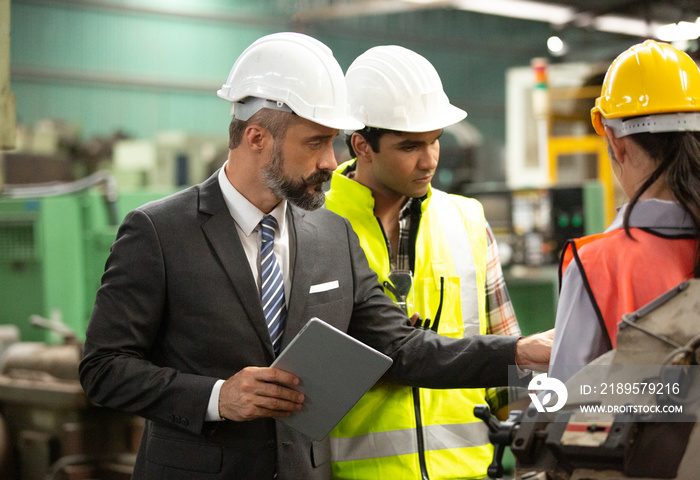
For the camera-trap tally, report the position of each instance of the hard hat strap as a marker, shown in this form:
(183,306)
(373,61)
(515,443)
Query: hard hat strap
(249,106)
(666,122)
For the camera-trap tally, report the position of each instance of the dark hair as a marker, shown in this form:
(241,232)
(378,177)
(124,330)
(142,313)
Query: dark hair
(371,135)
(274,121)
(678,156)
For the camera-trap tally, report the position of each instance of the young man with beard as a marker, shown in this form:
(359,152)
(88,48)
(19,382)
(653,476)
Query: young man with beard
(186,323)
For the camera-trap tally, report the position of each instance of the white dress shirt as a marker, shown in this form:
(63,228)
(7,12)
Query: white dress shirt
(247,217)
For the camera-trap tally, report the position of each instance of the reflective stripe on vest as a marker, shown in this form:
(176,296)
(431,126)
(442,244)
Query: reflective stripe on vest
(462,259)
(403,442)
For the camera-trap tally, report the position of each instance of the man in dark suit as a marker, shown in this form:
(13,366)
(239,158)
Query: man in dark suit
(179,334)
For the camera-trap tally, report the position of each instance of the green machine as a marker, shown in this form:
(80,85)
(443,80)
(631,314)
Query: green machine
(54,242)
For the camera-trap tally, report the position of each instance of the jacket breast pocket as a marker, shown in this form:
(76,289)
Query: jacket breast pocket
(325,296)
(442,294)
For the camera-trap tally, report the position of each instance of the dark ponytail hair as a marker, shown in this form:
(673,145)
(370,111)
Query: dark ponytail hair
(678,154)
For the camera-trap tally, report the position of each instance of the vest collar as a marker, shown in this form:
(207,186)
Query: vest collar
(361,194)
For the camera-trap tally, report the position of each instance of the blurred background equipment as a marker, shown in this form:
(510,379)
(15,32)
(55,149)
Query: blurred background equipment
(531,225)
(560,146)
(558,180)
(170,160)
(54,240)
(48,429)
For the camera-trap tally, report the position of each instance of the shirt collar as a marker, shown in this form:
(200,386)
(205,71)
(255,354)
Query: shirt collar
(408,207)
(244,213)
(656,214)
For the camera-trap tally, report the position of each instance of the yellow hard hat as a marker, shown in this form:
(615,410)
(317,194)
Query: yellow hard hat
(650,78)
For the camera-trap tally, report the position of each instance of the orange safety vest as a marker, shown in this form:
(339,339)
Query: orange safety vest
(622,274)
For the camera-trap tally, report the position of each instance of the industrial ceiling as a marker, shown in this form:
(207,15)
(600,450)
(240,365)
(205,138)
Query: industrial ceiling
(575,19)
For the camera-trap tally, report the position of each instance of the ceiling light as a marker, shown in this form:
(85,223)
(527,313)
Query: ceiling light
(678,31)
(626,25)
(555,14)
(556,46)
(524,9)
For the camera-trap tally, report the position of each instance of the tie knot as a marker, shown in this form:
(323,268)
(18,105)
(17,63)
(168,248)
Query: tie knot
(269,225)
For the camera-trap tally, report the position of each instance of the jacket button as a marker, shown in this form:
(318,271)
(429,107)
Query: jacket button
(184,421)
(271,444)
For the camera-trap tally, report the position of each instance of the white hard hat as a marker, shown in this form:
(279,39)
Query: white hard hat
(395,88)
(290,72)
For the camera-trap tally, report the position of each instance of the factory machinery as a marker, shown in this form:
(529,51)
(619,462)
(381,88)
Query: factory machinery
(625,438)
(54,240)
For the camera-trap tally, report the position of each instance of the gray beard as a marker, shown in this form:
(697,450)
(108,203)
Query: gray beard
(295,191)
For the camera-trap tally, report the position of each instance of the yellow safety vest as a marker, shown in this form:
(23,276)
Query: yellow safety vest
(398,432)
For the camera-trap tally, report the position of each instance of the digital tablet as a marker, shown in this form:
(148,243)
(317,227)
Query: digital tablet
(334,369)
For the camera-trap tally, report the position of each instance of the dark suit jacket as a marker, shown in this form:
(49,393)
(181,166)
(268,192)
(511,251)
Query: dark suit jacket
(178,309)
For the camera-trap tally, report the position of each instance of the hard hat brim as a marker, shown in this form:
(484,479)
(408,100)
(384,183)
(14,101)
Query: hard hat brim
(451,116)
(345,123)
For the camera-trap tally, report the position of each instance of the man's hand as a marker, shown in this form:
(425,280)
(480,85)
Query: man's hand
(534,350)
(257,392)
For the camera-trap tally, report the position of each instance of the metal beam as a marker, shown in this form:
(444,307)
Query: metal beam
(360,8)
(47,75)
(271,19)
(7,98)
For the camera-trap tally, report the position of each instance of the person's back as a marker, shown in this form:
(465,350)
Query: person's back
(606,260)
(652,245)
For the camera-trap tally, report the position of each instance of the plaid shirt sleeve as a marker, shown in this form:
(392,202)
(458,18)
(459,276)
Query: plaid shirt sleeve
(499,309)
(500,317)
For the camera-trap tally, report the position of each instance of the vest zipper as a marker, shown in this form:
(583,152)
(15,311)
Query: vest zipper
(412,237)
(414,390)
(386,241)
(419,434)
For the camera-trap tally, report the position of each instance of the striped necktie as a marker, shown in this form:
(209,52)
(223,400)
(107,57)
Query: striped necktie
(272,291)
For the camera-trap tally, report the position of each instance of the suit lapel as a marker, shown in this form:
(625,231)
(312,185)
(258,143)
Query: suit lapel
(222,234)
(302,265)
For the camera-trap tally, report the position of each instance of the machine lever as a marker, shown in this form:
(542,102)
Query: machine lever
(482,412)
(500,435)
